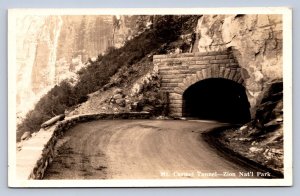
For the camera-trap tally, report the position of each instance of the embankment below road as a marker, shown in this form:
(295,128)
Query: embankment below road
(216,138)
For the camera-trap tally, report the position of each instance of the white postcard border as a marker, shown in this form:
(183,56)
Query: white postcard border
(287,78)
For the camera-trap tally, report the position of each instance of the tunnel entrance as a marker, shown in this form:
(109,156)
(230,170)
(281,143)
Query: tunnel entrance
(216,99)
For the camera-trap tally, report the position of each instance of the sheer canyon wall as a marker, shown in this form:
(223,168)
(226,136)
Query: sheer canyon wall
(256,41)
(53,48)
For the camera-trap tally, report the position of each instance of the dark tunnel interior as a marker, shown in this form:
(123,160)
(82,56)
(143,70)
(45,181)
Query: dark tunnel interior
(217,99)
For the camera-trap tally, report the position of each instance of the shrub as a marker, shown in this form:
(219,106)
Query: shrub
(165,30)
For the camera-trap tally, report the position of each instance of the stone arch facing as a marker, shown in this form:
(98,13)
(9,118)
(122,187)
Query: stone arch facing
(180,71)
(206,73)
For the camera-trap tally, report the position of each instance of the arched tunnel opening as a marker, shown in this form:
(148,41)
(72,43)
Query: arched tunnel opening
(217,99)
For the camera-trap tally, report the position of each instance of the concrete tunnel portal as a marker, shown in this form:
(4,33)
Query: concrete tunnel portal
(216,99)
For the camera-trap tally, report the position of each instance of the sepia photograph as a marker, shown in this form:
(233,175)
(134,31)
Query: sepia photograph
(150,97)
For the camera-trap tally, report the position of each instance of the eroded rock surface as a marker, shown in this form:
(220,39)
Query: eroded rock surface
(261,140)
(256,41)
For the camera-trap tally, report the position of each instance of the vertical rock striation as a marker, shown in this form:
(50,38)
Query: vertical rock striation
(256,41)
(53,48)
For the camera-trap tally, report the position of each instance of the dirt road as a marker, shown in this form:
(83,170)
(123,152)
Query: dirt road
(140,149)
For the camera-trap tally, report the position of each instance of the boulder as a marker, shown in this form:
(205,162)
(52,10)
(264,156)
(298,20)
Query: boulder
(115,109)
(53,120)
(19,145)
(148,108)
(255,149)
(112,100)
(133,106)
(118,91)
(243,128)
(118,96)
(26,135)
(271,103)
(121,102)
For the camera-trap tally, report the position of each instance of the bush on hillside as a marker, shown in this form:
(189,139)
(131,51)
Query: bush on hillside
(165,30)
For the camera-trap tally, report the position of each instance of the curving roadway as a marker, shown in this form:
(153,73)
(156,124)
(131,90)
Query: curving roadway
(140,149)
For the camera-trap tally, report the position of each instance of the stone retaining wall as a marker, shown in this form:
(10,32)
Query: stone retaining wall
(46,155)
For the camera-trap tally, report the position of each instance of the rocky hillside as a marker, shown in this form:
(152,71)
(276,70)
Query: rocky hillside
(54,48)
(256,41)
(129,68)
(123,78)
(261,140)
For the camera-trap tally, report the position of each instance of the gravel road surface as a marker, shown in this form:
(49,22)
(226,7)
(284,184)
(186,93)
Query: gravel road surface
(140,149)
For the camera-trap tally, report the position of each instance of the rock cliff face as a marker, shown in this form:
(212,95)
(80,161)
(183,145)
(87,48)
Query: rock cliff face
(256,41)
(81,38)
(26,51)
(127,27)
(261,140)
(53,48)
